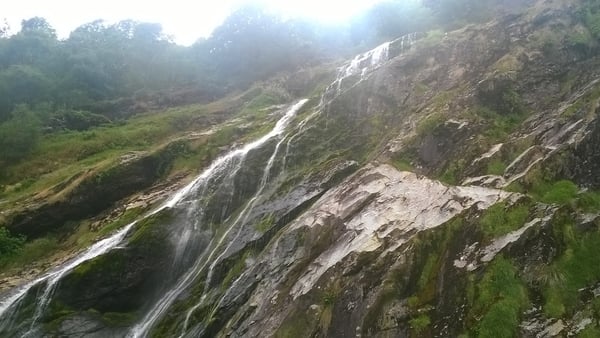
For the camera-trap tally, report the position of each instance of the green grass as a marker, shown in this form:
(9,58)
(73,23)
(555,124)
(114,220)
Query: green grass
(402,164)
(427,125)
(560,192)
(30,252)
(592,331)
(62,155)
(501,297)
(499,126)
(589,201)
(501,219)
(577,267)
(452,173)
(65,154)
(496,167)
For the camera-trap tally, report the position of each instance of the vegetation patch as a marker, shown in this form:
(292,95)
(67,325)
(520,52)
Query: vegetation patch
(500,218)
(420,323)
(496,167)
(501,296)
(574,269)
(9,244)
(560,192)
(265,223)
(27,253)
(453,172)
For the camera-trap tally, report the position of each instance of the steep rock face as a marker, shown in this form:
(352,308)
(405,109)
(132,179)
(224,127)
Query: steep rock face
(385,252)
(369,217)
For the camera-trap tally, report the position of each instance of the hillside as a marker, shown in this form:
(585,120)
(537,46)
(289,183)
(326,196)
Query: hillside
(442,184)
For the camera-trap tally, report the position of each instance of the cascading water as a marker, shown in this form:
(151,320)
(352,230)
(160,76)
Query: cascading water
(367,62)
(222,169)
(203,260)
(12,301)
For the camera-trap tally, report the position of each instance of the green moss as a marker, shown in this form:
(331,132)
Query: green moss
(429,269)
(128,216)
(501,219)
(233,273)
(420,323)
(413,302)
(118,319)
(263,100)
(499,126)
(452,173)
(507,64)
(592,331)
(427,125)
(264,224)
(432,38)
(298,324)
(421,89)
(55,314)
(147,233)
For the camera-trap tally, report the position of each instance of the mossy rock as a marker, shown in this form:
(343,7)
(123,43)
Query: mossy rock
(122,280)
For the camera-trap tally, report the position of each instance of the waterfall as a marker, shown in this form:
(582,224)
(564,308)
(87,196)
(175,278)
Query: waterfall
(225,166)
(364,64)
(158,310)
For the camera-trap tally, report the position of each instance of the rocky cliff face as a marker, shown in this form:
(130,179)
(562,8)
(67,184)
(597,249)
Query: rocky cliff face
(439,187)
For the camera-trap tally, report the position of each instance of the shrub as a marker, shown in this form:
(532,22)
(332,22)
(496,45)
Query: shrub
(9,245)
(498,220)
(420,323)
(561,192)
(501,296)
(19,136)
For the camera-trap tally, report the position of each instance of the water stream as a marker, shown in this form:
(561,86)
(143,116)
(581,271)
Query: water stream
(142,328)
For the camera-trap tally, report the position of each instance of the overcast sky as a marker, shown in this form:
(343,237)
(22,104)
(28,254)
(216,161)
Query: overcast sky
(186,21)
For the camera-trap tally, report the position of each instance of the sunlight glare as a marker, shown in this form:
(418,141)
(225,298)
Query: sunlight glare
(183,20)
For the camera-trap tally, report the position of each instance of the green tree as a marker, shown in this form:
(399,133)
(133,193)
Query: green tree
(20,135)
(9,245)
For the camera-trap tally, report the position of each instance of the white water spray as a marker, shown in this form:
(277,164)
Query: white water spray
(142,329)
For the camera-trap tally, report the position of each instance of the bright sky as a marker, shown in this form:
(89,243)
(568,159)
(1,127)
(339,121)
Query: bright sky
(186,21)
